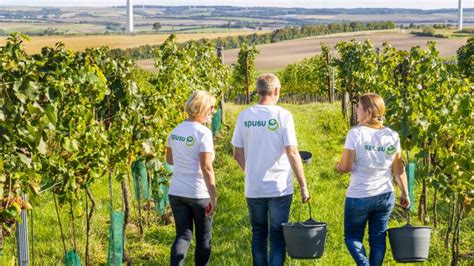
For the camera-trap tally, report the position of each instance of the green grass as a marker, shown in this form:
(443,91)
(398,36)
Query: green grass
(451,33)
(260,71)
(320,129)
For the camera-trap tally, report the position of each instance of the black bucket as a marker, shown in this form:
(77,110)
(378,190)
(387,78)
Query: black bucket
(410,243)
(305,240)
(306,156)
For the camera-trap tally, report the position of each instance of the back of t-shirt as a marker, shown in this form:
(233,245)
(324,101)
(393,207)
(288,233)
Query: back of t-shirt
(187,141)
(375,150)
(264,131)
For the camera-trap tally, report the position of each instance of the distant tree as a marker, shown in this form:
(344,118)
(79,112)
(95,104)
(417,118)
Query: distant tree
(156,26)
(429,31)
(52,31)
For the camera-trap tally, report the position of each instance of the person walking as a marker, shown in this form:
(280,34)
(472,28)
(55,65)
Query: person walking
(372,154)
(192,190)
(265,147)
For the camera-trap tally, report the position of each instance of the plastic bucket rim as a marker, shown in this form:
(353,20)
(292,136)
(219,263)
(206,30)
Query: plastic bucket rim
(301,224)
(306,155)
(409,227)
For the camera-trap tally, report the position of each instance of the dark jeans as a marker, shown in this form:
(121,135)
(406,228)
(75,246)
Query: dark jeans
(187,212)
(376,211)
(262,212)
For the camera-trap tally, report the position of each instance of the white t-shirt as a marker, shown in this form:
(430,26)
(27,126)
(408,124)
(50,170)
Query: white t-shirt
(187,141)
(264,131)
(375,150)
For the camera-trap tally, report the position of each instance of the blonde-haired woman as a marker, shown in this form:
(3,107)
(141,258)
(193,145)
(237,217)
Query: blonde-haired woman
(372,154)
(193,188)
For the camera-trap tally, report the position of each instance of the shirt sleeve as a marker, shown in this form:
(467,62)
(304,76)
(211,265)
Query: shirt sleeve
(350,143)
(168,141)
(397,144)
(207,144)
(289,133)
(237,139)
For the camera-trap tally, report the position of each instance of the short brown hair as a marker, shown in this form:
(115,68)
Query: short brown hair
(267,83)
(375,106)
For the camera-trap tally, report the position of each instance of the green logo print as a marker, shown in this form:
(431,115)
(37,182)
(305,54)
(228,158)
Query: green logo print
(390,150)
(190,141)
(272,124)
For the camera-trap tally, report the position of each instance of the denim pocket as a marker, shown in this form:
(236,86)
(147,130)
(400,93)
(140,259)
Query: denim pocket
(360,206)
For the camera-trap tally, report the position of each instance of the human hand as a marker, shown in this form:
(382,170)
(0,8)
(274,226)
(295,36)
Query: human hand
(404,201)
(211,207)
(304,194)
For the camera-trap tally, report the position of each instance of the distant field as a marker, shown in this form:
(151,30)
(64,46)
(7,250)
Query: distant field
(290,51)
(189,29)
(276,56)
(440,18)
(203,30)
(279,55)
(69,28)
(451,32)
(79,43)
(247,19)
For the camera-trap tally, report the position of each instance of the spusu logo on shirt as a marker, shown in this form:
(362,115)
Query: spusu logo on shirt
(189,141)
(389,150)
(271,124)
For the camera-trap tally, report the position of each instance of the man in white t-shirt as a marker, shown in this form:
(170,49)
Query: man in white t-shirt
(265,148)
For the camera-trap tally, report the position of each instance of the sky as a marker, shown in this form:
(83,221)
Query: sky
(419,4)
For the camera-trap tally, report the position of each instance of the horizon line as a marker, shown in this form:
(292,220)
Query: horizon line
(282,7)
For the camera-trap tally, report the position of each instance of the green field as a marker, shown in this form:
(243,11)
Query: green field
(67,28)
(451,33)
(210,29)
(320,129)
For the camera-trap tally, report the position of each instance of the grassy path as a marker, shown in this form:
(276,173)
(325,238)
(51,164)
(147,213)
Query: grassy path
(320,130)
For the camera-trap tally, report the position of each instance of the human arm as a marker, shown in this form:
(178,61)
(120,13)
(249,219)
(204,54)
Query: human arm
(297,166)
(205,159)
(239,156)
(346,162)
(238,143)
(169,155)
(400,176)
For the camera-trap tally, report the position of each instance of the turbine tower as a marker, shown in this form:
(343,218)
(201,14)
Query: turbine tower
(460,15)
(129,15)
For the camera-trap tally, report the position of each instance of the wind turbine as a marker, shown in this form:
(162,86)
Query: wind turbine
(129,16)
(460,15)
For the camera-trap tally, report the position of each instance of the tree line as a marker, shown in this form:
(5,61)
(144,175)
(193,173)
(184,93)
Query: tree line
(288,33)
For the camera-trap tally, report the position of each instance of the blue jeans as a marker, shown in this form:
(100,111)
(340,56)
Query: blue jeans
(357,212)
(262,212)
(186,212)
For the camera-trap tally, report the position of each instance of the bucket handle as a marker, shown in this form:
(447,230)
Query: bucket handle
(309,206)
(407,210)
(309,209)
